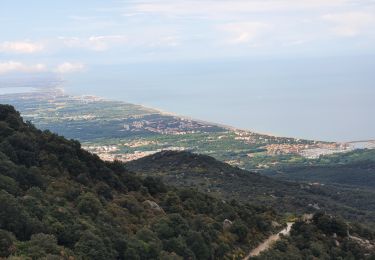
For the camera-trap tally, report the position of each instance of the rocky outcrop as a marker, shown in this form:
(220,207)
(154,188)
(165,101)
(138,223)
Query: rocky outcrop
(153,206)
(227,224)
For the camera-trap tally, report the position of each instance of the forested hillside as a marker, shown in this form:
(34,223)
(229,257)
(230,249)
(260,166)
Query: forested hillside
(355,168)
(224,181)
(59,201)
(323,237)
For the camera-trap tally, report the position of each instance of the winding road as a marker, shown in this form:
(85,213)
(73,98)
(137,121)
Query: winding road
(266,244)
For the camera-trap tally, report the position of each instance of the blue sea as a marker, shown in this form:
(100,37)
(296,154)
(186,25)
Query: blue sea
(315,98)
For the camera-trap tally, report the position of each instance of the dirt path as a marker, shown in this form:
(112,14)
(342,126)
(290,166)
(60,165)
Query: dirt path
(269,241)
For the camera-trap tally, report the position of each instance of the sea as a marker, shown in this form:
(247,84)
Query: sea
(331,99)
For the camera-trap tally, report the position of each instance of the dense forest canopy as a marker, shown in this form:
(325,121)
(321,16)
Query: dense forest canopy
(58,201)
(219,179)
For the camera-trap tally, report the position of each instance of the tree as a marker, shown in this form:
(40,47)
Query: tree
(6,243)
(240,229)
(104,190)
(15,219)
(41,245)
(88,204)
(198,246)
(154,245)
(90,246)
(154,185)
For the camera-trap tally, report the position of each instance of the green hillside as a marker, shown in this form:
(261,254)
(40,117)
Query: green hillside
(224,181)
(323,237)
(59,201)
(355,168)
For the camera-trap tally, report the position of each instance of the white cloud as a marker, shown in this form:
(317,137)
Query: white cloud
(96,43)
(224,7)
(350,24)
(82,18)
(14,66)
(194,28)
(100,43)
(244,32)
(68,67)
(259,23)
(20,47)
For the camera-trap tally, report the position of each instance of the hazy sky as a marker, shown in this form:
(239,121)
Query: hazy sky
(70,35)
(83,40)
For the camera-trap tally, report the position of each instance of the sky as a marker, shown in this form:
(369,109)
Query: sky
(67,36)
(82,41)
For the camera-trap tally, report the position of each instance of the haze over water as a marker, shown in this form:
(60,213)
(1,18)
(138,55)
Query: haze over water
(286,67)
(324,99)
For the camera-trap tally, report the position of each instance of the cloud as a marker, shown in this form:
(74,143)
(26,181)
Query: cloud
(20,47)
(244,32)
(350,24)
(212,8)
(100,43)
(96,43)
(14,66)
(82,18)
(68,67)
(261,23)
(170,29)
